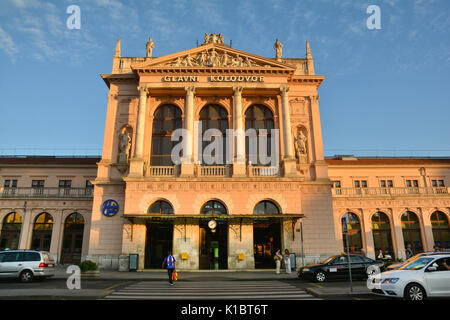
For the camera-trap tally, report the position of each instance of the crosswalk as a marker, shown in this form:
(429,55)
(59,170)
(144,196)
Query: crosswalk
(211,290)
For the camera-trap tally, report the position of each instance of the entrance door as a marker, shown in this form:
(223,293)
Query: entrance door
(72,239)
(213,253)
(266,241)
(159,241)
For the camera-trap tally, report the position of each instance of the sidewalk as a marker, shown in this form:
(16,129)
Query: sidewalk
(156,275)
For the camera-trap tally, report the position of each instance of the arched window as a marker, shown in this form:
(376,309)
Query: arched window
(213,207)
(382,238)
(354,233)
(10,236)
(441,230)
(73,238)
(266,207)
(161,207)
(411,231)
(214,117)
(167,118)
(42,232)
(258,117)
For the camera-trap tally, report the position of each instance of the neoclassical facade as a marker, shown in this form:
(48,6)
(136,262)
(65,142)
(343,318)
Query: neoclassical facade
(249,175)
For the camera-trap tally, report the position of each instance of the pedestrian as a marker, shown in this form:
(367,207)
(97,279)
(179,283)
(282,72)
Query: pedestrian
(170,263)
(287,260)
(278,257)
(408,251)
(380,255)
(436,249)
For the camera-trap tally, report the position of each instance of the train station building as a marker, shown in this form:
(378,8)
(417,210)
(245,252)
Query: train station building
(227,205)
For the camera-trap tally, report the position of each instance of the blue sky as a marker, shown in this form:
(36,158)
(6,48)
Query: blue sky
(385,89)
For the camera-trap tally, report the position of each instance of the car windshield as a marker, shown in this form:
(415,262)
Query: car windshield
(328,260)
(417,264)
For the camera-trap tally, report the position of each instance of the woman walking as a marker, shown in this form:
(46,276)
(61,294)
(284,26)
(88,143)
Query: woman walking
(278,257)
(287,260)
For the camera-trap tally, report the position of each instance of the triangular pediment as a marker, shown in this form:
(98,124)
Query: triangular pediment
(212,55)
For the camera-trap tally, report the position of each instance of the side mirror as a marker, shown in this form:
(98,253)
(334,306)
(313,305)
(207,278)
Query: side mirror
(430,269)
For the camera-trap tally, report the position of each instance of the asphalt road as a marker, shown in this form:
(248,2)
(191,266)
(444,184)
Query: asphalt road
(99,288)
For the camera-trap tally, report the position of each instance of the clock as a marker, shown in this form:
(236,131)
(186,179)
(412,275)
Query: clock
(212,224)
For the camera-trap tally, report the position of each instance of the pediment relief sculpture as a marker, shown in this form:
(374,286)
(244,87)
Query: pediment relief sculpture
(214,58)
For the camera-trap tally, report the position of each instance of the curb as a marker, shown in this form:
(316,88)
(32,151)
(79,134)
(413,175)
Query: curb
(315,292)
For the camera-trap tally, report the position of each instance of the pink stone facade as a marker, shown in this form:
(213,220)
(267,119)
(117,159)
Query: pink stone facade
(308,192)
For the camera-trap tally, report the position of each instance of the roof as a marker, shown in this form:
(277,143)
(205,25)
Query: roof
(48,160)
(351,161)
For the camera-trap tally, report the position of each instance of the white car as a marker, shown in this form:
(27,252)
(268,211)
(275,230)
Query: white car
(428,276)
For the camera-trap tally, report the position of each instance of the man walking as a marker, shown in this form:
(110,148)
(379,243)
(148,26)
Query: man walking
(170,263)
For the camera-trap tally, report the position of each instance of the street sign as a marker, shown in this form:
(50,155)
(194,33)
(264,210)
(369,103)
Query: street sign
(344,225)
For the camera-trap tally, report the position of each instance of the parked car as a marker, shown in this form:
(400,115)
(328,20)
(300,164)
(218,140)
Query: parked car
(415,257)
(427,276)
(26,264)
(336,267)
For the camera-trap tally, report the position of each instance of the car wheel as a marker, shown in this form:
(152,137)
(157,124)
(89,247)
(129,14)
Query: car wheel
(320,276)
(26,276)
(414,292)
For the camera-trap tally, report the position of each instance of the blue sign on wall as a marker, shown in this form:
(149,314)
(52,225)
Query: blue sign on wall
(109,208)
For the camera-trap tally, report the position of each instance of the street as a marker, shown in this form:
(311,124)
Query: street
(193,286)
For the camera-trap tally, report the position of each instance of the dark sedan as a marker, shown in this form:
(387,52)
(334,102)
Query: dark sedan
(336,267)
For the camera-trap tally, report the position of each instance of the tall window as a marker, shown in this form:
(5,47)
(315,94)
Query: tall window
(161,207)
(214,117)
(258,117)
(38,186)
(42,232)
(354,233)
(10,236)
(89,188)
(167,118)
(411,231)
(441,230)
(359,184)
(381,229)
(413,186)
(10,186)
(266,207)
(64,187)
(213,207)
(337,186)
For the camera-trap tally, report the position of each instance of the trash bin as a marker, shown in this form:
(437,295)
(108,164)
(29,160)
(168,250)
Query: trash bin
(293,266)
(133,262)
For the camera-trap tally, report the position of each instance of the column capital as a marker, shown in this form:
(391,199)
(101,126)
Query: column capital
(238,90)
(284,90)
(314,98)
(142,89)
(189,89)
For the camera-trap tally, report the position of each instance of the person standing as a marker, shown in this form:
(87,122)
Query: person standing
(278,257)
(287,260)
(409,253)
(436,249)
(170,263)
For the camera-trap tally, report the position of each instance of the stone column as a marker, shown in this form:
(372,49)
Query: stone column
(368,245)
(398,231)
(428,241)
(239,147)
(138,150)
(27,227)
(137,162)
(321,168)
(187,164)
(289,162)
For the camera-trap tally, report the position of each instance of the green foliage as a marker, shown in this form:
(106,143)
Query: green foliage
(88,265)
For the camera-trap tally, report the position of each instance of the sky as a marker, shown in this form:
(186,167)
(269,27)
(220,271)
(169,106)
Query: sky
(386,91)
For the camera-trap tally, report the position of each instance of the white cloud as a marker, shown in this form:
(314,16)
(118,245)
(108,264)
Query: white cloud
(7,43)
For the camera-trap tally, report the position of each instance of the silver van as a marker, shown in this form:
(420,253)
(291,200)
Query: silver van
(26,264)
